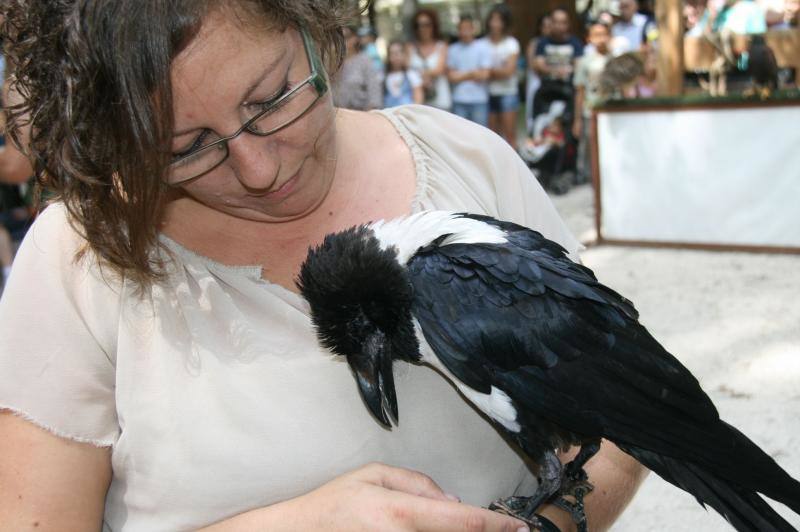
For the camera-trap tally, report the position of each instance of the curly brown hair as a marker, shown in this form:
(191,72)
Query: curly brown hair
(434,18)
(93,76)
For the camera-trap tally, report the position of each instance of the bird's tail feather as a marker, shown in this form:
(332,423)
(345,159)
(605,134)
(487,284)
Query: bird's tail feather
(765,475)
(744,509)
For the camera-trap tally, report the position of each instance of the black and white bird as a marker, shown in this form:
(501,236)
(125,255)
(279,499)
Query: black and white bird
(550,355)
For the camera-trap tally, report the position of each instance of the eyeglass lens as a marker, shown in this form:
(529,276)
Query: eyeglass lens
(275,118)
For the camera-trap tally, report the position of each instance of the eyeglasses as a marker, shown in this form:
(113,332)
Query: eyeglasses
(209,150)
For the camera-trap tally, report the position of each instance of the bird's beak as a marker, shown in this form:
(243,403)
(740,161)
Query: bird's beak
(375,378)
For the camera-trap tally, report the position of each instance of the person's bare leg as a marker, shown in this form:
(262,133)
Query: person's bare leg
(494,123)
(6,248)
(509,125)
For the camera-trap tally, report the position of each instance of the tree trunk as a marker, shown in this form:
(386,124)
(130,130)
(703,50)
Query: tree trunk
(670,43)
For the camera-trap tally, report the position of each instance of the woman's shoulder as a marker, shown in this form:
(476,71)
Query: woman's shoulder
(464,166)
(52,228)
(442,130)
(449,147)
(55,247)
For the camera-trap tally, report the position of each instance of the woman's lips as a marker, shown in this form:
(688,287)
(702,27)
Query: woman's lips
(285,189)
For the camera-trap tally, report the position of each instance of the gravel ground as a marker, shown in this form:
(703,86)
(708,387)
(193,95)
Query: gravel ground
(734,320)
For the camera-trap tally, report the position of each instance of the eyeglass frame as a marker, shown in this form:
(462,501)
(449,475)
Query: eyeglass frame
(316,79)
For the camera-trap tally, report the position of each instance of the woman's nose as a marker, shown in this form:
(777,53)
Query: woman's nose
(254,160)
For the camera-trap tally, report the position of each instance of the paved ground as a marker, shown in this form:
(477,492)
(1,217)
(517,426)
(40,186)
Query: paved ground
(731,318)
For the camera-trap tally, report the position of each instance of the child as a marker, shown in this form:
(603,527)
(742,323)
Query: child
(402,86)
(552,136)
(547,153)
(587,92)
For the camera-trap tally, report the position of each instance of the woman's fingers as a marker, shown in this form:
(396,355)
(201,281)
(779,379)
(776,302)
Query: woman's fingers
(406,481)
(421,504)
(438,516)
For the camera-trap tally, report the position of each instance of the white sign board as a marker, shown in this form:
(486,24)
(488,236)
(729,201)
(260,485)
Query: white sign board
(726,176)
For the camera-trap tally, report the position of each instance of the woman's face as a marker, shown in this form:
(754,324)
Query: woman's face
(424,28)
(280,177)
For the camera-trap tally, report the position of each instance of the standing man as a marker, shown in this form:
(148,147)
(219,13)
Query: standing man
(468,63)
(556,54)
(628,31)
(555,61)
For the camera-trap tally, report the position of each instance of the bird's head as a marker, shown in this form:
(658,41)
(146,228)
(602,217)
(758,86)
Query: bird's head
(360,299)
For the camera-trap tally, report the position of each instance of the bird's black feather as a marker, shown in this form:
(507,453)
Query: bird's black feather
(524,318)
(569,352)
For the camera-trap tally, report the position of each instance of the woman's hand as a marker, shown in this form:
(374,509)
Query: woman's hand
(380,497)
(375,497)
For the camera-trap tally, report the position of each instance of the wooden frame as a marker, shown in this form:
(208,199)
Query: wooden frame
(597,178)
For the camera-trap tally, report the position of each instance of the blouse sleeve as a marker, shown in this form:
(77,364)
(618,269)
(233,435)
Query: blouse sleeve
(58,317)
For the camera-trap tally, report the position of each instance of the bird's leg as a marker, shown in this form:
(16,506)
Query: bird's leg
(576,484)
(524,508)
(574,469)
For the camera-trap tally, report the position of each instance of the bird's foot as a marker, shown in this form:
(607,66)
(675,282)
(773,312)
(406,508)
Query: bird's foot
(576,486)
(515,507)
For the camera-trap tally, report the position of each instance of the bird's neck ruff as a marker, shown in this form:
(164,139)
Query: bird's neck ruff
(408,234)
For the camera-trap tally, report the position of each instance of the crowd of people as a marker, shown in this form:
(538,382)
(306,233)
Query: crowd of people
(477,76)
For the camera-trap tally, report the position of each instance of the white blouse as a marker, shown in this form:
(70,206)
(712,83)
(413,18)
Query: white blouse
(442,99)
(210,387)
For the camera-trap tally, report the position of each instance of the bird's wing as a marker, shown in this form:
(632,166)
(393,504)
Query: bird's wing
(524,318)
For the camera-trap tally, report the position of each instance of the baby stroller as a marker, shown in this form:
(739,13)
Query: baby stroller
(554,161)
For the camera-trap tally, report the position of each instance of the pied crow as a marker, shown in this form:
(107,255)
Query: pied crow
(550,355)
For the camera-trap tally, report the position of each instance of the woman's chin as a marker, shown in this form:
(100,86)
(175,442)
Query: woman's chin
(259,209)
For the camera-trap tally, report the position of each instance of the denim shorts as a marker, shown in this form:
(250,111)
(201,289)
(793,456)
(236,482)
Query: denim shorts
(477,112)
(503,103)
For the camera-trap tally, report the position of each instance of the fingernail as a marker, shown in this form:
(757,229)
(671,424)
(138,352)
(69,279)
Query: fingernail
(523,529)
(452,497)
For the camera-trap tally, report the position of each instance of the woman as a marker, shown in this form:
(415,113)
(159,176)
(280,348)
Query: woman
(503,90)
(428,56)
(175,381)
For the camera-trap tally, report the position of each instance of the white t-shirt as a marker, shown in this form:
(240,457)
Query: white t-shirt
(396,80)
(210,388)
(501,51)
(629,36)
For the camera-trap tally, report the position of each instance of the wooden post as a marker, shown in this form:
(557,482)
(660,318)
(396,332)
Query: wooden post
(669,17)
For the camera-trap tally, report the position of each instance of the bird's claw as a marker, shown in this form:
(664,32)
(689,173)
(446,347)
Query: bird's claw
(574,484)
(513,506)
(578,487)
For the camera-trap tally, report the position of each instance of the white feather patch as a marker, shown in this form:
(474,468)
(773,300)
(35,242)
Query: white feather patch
(410,233)
(497,404)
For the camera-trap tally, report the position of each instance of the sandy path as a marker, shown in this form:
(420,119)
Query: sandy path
(731,318)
